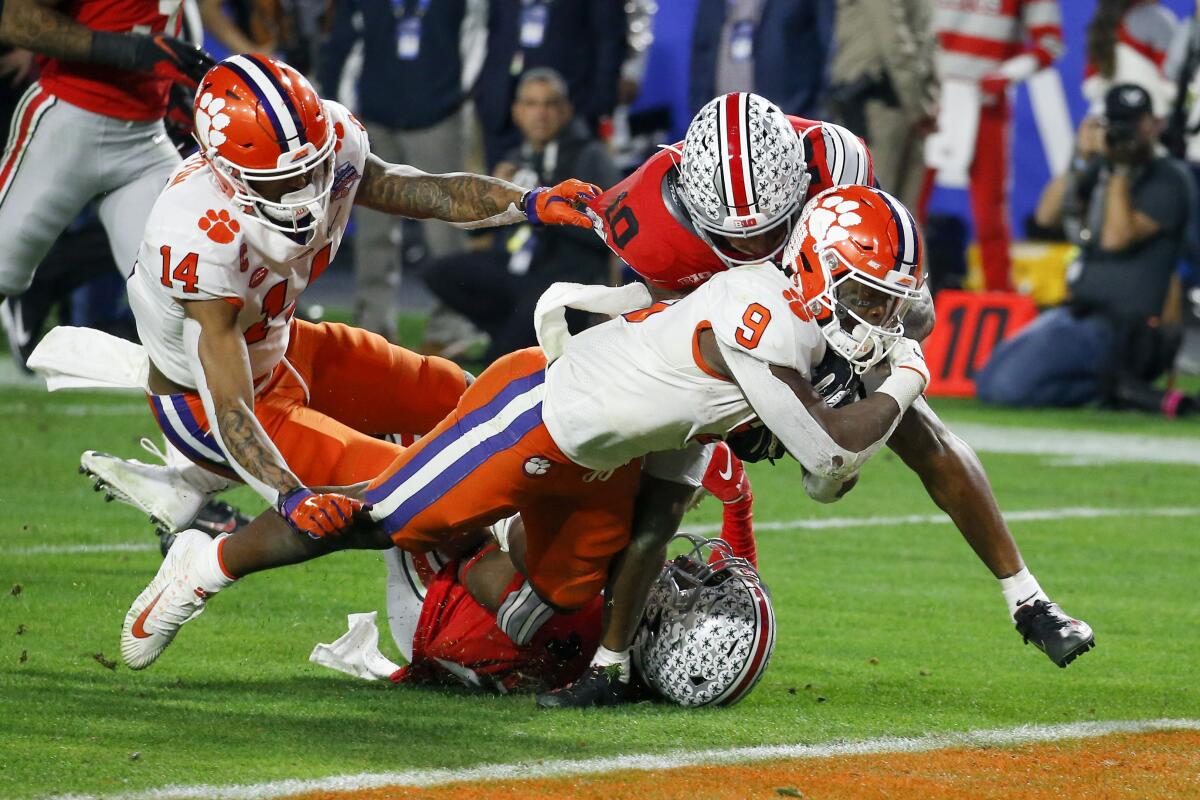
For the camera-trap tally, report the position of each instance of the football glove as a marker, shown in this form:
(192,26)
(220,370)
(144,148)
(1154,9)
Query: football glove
(906,354)
(560,205)
(725,478)
(756,444)
(317,515)
(156,53)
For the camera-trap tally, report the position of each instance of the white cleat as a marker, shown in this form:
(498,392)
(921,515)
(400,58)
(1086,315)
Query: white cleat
(172,598)
(159,492)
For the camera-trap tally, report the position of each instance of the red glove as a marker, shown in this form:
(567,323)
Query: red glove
(318,515)
(993,86)
(725,478)
(562,204)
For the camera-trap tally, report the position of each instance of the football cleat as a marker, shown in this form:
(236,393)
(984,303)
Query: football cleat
(598,686)
(159,492)
(172,598)
(1054,633)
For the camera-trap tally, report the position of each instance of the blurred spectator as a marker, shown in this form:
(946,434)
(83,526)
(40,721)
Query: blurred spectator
(497,289)
(990,46)
(776,48)
(884,87)
(290,29)
(1127,42)
(411,95)
(1127,209)
(583,41)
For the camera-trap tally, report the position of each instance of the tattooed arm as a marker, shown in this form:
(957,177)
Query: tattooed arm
(36,25)
(453,197)
(472,201)
(225,375)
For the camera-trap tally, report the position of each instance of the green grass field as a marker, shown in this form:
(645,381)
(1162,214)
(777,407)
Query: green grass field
(883,630)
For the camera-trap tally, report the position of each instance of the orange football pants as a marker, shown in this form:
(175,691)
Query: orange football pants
(344,385)
(493,457)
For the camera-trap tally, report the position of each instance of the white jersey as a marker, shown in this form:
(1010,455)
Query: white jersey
(668,396)
(199,245)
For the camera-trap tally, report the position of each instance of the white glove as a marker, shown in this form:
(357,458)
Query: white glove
(907,355)
(909,375)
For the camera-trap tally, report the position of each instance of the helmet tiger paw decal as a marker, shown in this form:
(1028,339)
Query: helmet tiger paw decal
(536,465)
(831,220)
(219,226)
(210,121)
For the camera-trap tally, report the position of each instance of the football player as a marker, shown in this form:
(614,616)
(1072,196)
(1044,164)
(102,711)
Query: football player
(534,435)
(240,231)
(727,199)
(467,620)
(480,613)
(91,126)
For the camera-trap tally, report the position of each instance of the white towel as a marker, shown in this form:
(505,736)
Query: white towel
(357,651)
(84,358)
(550,316)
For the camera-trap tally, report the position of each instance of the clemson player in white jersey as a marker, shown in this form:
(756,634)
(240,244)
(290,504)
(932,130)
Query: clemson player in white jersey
(535,435)
(240,231)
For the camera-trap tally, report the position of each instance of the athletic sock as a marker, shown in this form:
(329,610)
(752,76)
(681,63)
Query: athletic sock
(210,570)
(1020,590)
(737,528)
(608,658)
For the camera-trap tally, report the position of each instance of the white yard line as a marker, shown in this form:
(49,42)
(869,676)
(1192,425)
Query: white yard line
(1036,515)
(1002,737)
(78,409)
(57,549)
(1083,447)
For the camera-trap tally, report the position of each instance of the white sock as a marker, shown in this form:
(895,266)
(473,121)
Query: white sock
(607,658)
(1020,590)
(210,571)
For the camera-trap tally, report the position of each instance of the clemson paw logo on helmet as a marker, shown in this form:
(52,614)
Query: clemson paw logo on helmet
(536,466)
(219,226)
(210,120)
(831,220)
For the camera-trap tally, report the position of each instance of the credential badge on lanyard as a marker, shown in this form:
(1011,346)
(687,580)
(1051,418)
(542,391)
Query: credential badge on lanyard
(533,23)
(408,28)
(741,40)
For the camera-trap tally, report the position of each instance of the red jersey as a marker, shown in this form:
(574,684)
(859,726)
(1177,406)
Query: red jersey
(456,636)
(648,227)
(106,90)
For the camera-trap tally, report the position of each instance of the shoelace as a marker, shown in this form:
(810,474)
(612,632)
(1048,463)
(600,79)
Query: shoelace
(151,448)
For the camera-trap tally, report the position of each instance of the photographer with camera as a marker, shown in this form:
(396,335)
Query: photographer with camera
(1126,207)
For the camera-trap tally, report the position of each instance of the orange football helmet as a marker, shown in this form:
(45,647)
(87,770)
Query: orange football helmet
(259,121)
(856,257)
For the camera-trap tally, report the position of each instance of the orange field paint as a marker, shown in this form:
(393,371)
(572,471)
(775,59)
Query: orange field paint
(1162,766)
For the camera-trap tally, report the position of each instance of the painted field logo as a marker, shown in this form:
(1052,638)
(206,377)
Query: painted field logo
(536,466)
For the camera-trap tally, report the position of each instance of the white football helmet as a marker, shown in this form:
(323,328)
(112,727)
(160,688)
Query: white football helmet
(708,630)
(743,175)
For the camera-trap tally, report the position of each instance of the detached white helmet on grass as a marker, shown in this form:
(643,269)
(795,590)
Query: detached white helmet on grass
(743,174)
(709,628)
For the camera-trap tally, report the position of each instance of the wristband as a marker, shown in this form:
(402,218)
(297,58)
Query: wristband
(114,49)
(287,503)
(529,203)
(904,385)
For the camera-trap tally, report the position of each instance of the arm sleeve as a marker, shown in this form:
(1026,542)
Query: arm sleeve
(802,435)
(191,346)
